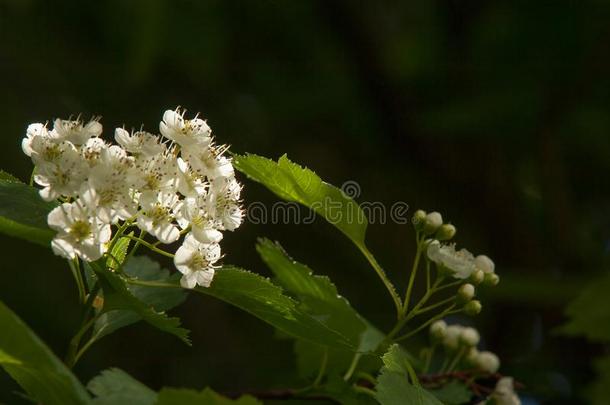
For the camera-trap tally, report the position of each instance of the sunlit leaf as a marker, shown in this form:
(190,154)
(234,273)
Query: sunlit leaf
(292,182)
(30,362)
(23,213)
(453,393)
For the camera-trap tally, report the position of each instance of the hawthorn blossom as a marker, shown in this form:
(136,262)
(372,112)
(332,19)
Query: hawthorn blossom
(139,142)
(195,261)
(195,132)
(79,233)
(158,214)
(75,131)
(459,263)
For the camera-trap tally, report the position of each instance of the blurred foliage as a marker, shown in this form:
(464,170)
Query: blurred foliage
(494,113)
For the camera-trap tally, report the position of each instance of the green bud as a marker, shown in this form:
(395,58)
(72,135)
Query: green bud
(491,279)
(445,232)
(473,307)
(477,277)
(432,222)
(419,220)
(466,292)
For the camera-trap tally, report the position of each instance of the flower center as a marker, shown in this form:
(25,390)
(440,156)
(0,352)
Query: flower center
(80,230)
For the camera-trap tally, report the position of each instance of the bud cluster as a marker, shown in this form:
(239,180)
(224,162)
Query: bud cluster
(168,186)
(454,338)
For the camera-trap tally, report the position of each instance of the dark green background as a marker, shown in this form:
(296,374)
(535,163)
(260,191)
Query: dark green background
(494,113)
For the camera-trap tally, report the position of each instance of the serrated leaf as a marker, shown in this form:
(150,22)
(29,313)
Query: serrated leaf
(589,313)
(161,299)
(453,393)
(4,176)
(114,386)
(393,385)
(23,213)
(265,300)
(32,364)
(118,297)
(292,182)
(174,396)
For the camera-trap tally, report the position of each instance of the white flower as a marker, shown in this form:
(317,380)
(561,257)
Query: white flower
(139,143)
(157,173)
(190,183)
(157,215)
(224,201)
(484,263)
(199,218)
(63,176)
(208,161)
(79,233)
(196,262)
(460,263)
(33,131)
(185,132)
(75,131)
(92,150)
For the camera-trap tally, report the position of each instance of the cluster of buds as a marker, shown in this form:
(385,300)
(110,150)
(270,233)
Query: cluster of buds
(464,339)
(169,186)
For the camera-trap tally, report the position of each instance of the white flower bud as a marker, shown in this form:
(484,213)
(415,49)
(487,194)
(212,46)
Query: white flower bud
(433,221)
(473,307)
(466,292)
(445,232)
(451,340)
(419,219)
(477,276)
(470,337)
(438,330)
(504,394)
(488,362)
(471,356)
(484,263)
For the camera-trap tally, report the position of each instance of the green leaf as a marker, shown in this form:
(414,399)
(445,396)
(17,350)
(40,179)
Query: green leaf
(118,297)
(4,176)
(114,386)
(589,313)
(173,396)
(393,385)
(453,393)
(23,213)
(343,392)
(32,364)
(118,253)
(265,300)
(317,295)
(161,299)
(292,182)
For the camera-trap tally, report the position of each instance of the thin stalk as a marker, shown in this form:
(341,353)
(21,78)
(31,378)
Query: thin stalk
(150,246)
(456,359)
(384,278)
(136,246)
(447,311)
(78,278)
(429,357)
(70,359)
(364,390)
(322,370)
(436,305)
(352,367)
(406,302)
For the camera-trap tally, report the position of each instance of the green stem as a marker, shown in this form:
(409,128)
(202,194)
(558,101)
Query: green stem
(405,308)
(322,371)
(363,390)
(367,377)
(429,356)
(384,278)
(78,278)
(352,367)
(136,246)
(446,312)
(70,359)
(436,305)
(456,359)
(150,246)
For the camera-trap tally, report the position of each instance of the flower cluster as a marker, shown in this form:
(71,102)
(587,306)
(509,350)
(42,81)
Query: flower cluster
(464,340)
(459,264)
(168,186)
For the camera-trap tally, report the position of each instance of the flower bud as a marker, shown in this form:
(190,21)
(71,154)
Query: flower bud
(445,232)
(484,263)
(451,341)
(491,279)
(438,330)
(471,356)
(470,337)
(419,220)
(477,276)
(432,222)
(488,362)
(473,307)
(465,292)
